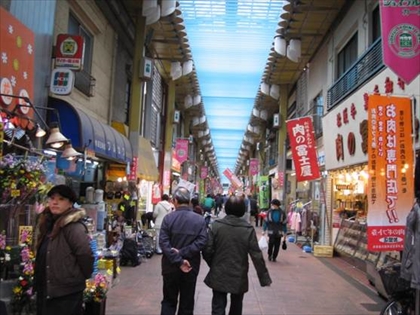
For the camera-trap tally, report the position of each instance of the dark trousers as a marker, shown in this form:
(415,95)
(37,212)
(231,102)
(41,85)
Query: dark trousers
(178,284)
(219,302)
(258,220)
(64,305)
(273,246)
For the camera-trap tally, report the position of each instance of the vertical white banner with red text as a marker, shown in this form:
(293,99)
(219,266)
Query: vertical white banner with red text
(400,23)
(391,171)
(303,146)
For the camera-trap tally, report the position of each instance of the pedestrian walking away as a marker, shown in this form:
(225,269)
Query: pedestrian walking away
(183,236)
(274,223)
(231,240)
(162,208)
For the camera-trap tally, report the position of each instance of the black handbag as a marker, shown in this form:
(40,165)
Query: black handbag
(284,245)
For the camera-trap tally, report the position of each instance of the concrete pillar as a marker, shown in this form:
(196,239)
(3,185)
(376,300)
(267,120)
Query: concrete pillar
(136,106)
(283,104)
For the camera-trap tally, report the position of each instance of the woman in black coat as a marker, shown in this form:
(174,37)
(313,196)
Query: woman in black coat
(231,240)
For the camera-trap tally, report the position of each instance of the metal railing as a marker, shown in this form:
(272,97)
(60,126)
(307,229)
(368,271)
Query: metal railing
(365,68)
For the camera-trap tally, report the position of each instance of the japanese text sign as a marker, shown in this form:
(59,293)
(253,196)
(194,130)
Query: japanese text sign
(391,171)
(302,142)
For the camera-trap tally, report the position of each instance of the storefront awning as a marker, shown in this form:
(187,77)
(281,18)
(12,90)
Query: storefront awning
(146,165)
(85,131)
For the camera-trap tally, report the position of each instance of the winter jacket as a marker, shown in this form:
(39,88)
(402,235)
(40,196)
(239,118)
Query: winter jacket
(69,258)
(410,264)
(231,239)
(185,231)
(162,208)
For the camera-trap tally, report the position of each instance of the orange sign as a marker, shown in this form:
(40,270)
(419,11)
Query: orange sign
(391,171)
(16,66)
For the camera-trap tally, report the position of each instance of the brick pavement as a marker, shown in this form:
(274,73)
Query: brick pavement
(302,285)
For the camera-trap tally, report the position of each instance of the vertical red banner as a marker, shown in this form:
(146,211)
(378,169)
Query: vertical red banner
(400,25)
(391,171)
(234,180)
(181,150)
(253,166)
(303,146)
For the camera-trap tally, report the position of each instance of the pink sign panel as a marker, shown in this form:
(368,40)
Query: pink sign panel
(400,21)
(253,167)
(181,150)
(204,172)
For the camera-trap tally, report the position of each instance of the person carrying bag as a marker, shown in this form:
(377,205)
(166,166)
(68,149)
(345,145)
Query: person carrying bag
(274,224)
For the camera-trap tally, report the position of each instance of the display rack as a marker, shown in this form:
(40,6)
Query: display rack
(351,245)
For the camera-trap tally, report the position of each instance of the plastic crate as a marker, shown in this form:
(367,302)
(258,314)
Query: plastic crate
(323,251)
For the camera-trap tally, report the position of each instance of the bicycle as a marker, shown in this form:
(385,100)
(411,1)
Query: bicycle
(401,295)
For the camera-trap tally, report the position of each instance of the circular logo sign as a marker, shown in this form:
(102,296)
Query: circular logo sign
(403,40)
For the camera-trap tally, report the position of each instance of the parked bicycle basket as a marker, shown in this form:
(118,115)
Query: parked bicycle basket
(393,283)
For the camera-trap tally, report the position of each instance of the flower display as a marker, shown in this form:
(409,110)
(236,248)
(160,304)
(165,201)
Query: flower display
(20,178)
(96,289)
(23,295)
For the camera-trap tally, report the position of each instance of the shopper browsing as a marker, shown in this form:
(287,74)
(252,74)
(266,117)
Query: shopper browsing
(183,235)
(231,240)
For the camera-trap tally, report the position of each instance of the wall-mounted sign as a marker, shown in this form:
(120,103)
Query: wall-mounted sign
(146,69)
(177,116)
(17,52)
(62,81)
(69,51)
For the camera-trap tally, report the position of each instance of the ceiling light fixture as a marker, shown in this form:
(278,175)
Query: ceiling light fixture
(69,152)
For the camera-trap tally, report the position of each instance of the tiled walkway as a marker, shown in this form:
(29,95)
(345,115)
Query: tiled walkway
(302,285)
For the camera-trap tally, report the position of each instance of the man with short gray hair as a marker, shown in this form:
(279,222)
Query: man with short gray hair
(182,237)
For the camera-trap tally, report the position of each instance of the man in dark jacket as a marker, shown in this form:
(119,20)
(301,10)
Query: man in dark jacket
(231,240)
(183,235)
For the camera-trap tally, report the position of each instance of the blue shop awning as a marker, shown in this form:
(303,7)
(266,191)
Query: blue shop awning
(85,131)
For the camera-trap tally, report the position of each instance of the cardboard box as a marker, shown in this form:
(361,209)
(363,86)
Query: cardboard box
(323,251)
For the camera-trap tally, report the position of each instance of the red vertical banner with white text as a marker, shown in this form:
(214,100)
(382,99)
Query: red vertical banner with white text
(400,28)
(234,180)
(303,146)
(391,171)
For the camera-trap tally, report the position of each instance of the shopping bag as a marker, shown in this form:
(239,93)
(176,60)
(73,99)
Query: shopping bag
(262,243)
(284,245)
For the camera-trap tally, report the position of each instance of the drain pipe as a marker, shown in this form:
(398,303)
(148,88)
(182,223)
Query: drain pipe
(111,90)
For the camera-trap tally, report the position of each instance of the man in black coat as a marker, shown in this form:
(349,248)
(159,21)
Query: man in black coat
(182,236)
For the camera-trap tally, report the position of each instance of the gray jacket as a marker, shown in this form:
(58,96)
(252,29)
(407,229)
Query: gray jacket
(410,264)
(231,240)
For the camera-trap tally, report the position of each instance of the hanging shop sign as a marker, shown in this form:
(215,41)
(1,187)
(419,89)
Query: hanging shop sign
(303,146)
(69,51)
(401,37)
(181,150)
(234,180)
(391,173)
(204,172)
(253,166)
(17,48)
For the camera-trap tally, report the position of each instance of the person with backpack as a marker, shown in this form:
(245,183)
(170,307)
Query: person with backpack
(274,224)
